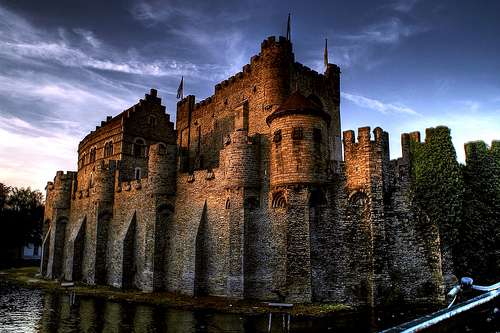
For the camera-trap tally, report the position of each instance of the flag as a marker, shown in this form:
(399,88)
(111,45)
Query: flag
(288,32)
(326,52)
(180,90)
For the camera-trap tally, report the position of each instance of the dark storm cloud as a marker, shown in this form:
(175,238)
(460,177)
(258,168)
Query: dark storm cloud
(406,64)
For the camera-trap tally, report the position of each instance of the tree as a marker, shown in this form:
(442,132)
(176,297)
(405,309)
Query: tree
(4,193)
(20,219)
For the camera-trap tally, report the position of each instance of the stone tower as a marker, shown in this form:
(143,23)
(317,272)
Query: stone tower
(298,173)
(56,218)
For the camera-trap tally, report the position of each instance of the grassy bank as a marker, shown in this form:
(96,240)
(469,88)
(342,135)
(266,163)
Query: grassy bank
(27,276)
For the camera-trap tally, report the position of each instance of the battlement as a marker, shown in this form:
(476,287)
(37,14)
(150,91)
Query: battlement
(60,178)
(495,148)
(149,99)
(152,97)
(304,70)
(271,42)
(475,148)
(436,132)
(200,177)
(268,44)
(364,137)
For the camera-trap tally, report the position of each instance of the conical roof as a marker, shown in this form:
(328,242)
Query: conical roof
(297,103)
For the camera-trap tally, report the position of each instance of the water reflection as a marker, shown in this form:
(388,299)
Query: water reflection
(26,310)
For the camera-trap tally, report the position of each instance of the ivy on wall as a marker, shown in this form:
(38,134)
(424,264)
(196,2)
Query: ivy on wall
(463,201)
(480,208)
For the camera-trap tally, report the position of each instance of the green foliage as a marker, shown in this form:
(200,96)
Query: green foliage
(463,201)
(21,216)
(438,183)
(4,193)
(479,229)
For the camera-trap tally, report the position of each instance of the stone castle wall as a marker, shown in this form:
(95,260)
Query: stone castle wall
(222,207)
(261,87)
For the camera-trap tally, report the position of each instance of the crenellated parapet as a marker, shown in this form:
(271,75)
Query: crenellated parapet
(475,150)
(407,139)
(59,191)
(367,159)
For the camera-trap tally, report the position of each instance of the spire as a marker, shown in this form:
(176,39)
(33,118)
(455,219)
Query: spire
(288,29)
(326,53)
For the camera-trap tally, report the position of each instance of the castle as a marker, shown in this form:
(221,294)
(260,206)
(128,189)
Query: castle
(248,196)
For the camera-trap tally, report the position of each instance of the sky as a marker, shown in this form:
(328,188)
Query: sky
(406,65)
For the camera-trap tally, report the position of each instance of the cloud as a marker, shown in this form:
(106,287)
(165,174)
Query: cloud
(152,13)
(202,26)
(404,6)
(34,158)
(379,106)
(57,97)
(390,31)
(19,41)
(89,37)
(67,56)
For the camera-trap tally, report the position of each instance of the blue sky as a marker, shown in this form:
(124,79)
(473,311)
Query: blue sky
(406,65)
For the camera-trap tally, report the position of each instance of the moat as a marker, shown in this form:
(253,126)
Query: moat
(27,309)
(33,310)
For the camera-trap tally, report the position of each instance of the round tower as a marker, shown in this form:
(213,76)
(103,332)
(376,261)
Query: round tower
(162,168)
(299,135)
(273,65)
(239,157)
(103,181)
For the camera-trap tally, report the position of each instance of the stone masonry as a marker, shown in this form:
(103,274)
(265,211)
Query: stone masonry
(247,197)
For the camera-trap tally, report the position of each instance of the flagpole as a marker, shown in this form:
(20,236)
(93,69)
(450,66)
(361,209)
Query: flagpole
(288,29)
(326,53)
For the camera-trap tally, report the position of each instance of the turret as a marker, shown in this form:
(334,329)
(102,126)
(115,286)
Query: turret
(274,62)
(162,169)
(299,149)
(367,160)
(103,182)
(57,206)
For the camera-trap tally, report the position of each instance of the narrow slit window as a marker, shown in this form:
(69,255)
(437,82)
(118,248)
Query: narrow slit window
(137,175)
(297,133)
(317,135)
(277,136)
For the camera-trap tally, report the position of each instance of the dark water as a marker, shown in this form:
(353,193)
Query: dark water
(31,310)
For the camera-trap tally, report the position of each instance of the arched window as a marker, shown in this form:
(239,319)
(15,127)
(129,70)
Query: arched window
(317,198)
(92,154)
(162,149)
(108,149)
(139,148)
(279,200)
(137,173)
(252,203)
(228,203)
(152,121)
(91,179)
(277,136)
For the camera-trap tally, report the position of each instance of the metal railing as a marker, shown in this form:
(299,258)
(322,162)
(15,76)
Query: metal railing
(466,283)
